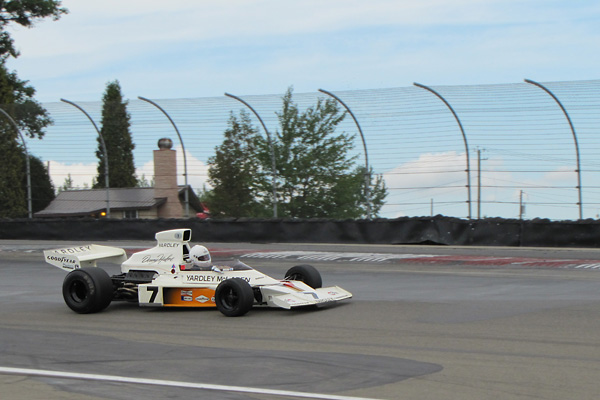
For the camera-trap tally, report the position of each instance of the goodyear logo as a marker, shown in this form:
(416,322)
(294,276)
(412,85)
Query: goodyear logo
(66,262)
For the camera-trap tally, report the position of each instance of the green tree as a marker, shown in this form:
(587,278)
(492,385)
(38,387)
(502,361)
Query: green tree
(42,188)
(13,202)
(25,13)
(67,184)
(117,137)
(316,176)
(350,197)
(234,172)
(143,182)
(16,98)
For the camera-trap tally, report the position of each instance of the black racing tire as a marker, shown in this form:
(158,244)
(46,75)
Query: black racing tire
(305,273)
(87,290)
(234,297)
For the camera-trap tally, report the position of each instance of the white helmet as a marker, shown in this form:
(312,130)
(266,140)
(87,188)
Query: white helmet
(200,256)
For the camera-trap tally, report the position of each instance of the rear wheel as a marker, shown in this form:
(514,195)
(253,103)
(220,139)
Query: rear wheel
(87,290)
(305,273)
(234,297)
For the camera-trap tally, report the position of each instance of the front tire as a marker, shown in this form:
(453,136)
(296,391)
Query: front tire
(234,297)
(305,273)
(87,290)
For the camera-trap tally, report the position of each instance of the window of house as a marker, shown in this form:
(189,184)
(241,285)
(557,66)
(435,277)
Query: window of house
(130,214)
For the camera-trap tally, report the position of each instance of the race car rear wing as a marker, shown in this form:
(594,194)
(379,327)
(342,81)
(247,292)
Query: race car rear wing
(83,256)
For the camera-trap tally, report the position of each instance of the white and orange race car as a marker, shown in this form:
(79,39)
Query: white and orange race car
(165,275)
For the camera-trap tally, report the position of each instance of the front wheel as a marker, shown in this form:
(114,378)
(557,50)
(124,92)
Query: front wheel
(87,290)
(234,297)
(305,273)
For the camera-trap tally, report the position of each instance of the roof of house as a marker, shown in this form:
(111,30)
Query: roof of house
(70,203)
(81,203)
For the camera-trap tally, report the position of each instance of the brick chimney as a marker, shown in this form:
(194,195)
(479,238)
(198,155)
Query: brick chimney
(165,180)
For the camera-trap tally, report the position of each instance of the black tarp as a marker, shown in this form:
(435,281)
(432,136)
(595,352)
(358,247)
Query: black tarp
(424,230)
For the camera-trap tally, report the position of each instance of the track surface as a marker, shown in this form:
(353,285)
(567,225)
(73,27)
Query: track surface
(456,328)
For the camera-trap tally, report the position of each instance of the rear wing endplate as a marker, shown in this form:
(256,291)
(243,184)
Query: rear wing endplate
(83,256)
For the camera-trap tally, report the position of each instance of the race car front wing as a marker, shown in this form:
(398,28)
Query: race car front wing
(275,297)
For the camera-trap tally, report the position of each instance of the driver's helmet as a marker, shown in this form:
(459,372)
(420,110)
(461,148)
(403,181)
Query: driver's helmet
(200,256)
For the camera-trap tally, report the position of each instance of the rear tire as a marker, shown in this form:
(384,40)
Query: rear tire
(305,273)
(87,290)
(234,297)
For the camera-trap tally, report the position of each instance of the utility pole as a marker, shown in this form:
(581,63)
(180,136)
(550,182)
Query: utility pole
(521,206)
(478,184)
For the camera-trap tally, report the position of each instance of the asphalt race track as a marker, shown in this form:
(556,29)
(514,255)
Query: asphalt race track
(424,323)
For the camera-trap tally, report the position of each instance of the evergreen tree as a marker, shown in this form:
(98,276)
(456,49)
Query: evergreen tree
(42,188)
(117,138)
(234,172)
(143,182)
(16,98)
(67,184)
(13,202)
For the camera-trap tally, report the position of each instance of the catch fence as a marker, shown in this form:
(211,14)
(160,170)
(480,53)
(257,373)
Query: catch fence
(522,153)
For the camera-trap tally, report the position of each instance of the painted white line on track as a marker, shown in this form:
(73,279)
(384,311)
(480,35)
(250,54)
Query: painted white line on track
(334,256)
(159,382)
(423,258)
(588,266)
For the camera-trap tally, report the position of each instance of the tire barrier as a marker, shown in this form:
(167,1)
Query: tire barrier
(424,230)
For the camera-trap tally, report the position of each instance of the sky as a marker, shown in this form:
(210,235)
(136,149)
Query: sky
(201,49)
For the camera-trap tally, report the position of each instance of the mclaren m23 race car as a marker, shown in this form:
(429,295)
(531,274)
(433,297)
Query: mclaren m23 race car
(166,275)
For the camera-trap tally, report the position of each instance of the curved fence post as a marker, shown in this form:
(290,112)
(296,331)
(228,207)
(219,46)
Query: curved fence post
(103,150)
(364,142)
(272,148)
(185,173)
(27,164)
(545,89)
(462,131)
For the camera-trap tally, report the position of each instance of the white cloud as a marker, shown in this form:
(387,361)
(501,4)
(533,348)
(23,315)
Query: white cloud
(442,178)
(429,170)
(197,170)
(562,176)
(83,174)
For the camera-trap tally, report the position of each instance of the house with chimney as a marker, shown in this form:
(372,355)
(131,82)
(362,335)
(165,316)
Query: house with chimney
(165,200)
